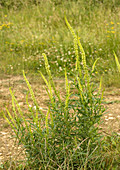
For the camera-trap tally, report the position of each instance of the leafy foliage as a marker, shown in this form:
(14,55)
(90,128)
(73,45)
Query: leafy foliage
(67,136)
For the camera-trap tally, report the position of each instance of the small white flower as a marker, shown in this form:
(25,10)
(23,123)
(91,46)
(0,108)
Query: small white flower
(20,103)
(30,106)
(106,119)
(69,52)
(111,118)
(34,107)
(60,68)
(3,133)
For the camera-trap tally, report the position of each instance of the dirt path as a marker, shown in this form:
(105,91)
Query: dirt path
(111,120)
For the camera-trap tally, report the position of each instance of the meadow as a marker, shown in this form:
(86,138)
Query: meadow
(28,30)
(72,40)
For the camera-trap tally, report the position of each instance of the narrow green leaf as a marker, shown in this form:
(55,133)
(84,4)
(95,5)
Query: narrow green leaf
(46,122)
(100,86)
(117,62)
(11,118)
(93,67)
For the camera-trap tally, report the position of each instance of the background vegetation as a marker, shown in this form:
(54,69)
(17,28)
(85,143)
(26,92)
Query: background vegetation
(28,28)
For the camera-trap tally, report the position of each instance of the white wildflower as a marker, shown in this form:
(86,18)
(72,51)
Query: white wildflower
(111,118)
(106,119)
(69,52)
(34,107)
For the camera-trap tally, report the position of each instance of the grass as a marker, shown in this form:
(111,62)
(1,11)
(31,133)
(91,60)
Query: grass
(28,31)
(68,135)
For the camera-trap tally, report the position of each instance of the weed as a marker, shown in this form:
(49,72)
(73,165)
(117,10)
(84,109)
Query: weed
(67,136)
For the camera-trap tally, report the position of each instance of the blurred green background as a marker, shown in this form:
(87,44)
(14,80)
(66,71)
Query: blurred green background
(30,27)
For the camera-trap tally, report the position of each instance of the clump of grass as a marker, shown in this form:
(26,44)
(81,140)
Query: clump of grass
(67,136)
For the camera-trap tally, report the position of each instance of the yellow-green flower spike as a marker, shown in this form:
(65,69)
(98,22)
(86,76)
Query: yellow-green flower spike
(75,42)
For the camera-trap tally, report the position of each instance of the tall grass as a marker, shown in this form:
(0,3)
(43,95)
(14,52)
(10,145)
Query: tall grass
(68,136)
(26,31)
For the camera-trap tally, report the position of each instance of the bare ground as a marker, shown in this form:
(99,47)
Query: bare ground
(8,149)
